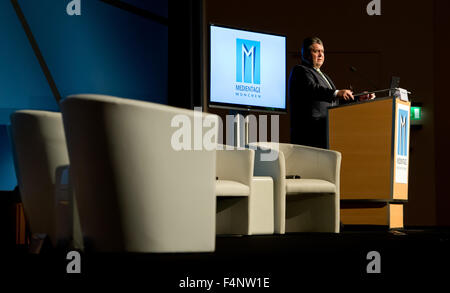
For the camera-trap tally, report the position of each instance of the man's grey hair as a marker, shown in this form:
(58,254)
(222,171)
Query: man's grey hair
(306,47)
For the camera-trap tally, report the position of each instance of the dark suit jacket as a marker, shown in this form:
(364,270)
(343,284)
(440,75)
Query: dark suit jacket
(309,96)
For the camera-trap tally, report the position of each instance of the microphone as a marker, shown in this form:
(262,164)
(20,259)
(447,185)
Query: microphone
(353,69)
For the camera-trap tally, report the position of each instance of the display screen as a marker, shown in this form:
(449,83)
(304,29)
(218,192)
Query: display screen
(247,69)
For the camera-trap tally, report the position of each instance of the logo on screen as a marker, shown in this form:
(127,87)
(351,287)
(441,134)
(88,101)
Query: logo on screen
(402,139)
(248,65)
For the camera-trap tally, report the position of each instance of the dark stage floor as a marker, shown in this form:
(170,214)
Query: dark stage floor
(277,261)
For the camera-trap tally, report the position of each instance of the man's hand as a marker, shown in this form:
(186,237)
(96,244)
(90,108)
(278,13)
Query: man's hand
(366,97)
(345,95)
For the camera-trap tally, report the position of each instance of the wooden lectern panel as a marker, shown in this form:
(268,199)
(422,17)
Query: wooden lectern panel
(378,214)
(363,215)
(362,132)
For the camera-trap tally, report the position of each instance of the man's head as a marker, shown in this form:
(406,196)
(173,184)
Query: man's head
(313,52)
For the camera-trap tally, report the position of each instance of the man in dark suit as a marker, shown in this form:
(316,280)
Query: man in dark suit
(311,92)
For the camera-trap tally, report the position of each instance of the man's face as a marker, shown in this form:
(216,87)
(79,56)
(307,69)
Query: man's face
(317,55)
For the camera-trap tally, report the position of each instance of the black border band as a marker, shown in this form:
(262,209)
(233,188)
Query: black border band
(138,11)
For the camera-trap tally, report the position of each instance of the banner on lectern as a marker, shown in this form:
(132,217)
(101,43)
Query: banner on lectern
(402,144)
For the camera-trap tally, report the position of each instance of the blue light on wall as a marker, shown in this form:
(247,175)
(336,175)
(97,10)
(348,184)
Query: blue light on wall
(23,85)
(7,174)
(105,50)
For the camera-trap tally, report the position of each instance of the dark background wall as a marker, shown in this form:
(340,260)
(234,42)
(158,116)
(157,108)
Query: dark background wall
(114,47)
(407,40)
(442,104)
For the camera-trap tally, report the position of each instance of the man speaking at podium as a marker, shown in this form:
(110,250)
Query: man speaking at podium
(311,92)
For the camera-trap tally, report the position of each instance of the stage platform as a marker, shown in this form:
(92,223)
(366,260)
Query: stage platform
(280,261)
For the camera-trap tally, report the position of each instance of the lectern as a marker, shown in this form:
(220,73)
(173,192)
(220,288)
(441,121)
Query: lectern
(373,138)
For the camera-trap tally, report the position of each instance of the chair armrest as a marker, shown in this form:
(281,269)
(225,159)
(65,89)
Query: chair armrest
(313,163)
(236,165)
(275,169)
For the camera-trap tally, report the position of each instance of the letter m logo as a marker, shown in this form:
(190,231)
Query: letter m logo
(248,56)
(402,137)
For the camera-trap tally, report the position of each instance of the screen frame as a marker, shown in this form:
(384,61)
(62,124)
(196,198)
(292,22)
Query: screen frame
(243,107)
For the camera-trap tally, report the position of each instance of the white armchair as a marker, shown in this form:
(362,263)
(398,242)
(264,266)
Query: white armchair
(135,191)
(244,202)
(311,202)
(39,152)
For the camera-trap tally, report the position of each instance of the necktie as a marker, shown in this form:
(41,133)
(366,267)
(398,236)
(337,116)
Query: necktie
(323,76)
(335,101)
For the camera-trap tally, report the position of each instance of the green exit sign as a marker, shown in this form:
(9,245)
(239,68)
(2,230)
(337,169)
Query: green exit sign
(416,113)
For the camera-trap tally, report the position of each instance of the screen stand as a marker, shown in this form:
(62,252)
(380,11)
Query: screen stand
(237,128)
